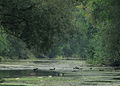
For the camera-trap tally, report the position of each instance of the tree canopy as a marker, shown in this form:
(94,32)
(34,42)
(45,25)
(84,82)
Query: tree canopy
(82,28)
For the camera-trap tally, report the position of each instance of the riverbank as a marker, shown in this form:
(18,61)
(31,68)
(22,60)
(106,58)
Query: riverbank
(57,73)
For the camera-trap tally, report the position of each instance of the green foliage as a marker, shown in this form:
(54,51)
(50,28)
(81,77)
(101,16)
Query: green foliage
(104,16)
(47,27)
(84,28)
(11,47)
(2,80)
(36,22)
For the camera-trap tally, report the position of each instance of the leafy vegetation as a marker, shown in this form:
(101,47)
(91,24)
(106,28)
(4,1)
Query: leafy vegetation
(86,29)
(104,16)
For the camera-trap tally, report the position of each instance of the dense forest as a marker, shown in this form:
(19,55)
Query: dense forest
(85,29)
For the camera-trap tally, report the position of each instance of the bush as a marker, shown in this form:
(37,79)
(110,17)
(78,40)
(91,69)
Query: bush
(59,57)
(2,80)
(1,58)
